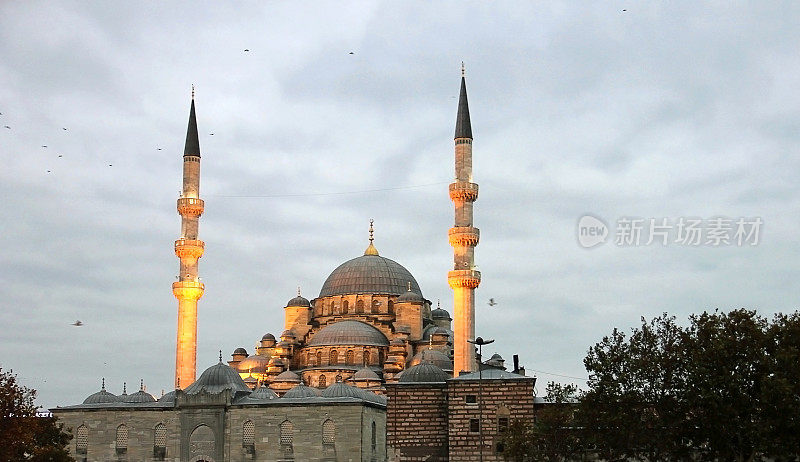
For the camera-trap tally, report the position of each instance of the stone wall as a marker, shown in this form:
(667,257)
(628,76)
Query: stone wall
(416,422)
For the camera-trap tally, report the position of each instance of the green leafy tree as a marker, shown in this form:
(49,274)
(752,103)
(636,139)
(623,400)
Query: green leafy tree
(23,435)
(553,436)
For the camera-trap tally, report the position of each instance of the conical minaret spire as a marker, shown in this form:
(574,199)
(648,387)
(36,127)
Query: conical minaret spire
(463,236)
(188,289)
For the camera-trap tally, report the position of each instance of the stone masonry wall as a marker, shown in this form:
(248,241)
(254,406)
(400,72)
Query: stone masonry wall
(416,422)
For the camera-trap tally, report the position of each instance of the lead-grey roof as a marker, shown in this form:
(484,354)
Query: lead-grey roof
(192,146)
(369,274)
(463,126)
(349,333)
(302,391)
(493,374)
(101,397)
(217,378)
(434,357)
(423,373)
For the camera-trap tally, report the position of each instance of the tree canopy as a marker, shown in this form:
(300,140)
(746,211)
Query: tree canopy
(24,436)
(724,387)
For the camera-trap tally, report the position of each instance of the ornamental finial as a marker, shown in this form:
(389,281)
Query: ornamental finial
(103,386)
(462,69)
(298,291)
(124,388)
(193,85)
(220,356)
(371,250)
(141,384)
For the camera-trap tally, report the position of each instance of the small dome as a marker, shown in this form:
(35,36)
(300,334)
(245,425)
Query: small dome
(302,391)
(410,296)
(287,376)
(424,373)
(168,398)
(369,274)
(348,333)
(397,341)
(288,333)
(342,390)
(263,393)
(298,301)
(275,361)
(140,396)
(439,313)
(101,397)
(268,336)
(365,374)
(436,357)
(240,351)
(254,363)
(217,378)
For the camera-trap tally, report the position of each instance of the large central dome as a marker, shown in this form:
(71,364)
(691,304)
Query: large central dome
(369,274)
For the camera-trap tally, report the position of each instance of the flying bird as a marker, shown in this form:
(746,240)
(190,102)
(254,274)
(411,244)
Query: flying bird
(158,149)
(109,165)
(624,10)
(63,128)
(60,155)
(492,302)
(351,53)
(44,145)
(48,171)
(7,127)
(211,134)
(246,49)
(77,323)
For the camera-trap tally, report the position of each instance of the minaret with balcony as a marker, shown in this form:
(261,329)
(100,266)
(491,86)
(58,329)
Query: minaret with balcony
(463,236)
(188,289)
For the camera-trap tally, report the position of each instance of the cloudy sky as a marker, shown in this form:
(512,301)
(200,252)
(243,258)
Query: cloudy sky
(620,108)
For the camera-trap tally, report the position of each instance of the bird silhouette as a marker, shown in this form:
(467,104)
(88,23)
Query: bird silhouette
(48,171)
(351,53)
(492,302)
(44,145)
(77,323)
(7,127)
(158,149)
(246,49)
(109,165)
(60,155)
(63,128)
(211,134)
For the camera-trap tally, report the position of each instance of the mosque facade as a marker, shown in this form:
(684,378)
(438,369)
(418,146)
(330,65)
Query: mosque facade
(318,391)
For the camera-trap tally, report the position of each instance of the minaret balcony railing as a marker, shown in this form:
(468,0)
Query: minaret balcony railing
(463,191)
(469,279)
(189,248)
(188,290)
(464,236)
(190,207)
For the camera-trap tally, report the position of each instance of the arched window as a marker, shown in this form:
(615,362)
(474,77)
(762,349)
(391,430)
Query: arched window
(332,307)
(391,307)
(338,378)
(375,305)
(345,306)
(328,432)
(322,382)
(380,356)
(160,438)
(376,358)
(334,358)
(360,307)
(374,438)
(350,357)
(310,359)
(248,433)
(81,439)
(319,358)
(121,441)
(365,359)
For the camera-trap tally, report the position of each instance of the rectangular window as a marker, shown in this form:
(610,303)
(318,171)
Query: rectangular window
(471,399)
(502,424)
(474,425)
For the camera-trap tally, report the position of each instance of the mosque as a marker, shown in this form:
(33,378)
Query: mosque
(369,344)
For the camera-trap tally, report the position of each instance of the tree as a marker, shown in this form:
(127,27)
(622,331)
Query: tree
(553,436)
(23,435)
(724,388)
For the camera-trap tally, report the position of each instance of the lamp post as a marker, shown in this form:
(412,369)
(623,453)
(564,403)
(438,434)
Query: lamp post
(480,342)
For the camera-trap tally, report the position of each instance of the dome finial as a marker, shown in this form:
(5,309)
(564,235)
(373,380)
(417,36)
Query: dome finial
(220,356)
(298,291)
(462,69)
(124,388)
(438,304)
(462,65)
(371,250)
(141,384)
(103,386)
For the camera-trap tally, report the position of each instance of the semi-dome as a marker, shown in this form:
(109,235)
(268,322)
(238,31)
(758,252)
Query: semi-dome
(217,378)
(349,333)
(287,376)
(101,397)
(255,363)
(409,296)
(424,373)
(435,357)
(369,274)
(298,301)
(302,391)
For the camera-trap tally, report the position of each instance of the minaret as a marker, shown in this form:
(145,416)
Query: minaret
(463,237)
(188,289)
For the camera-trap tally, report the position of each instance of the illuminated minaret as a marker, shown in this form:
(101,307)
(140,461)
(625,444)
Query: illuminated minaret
(188,289)
(464,279)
